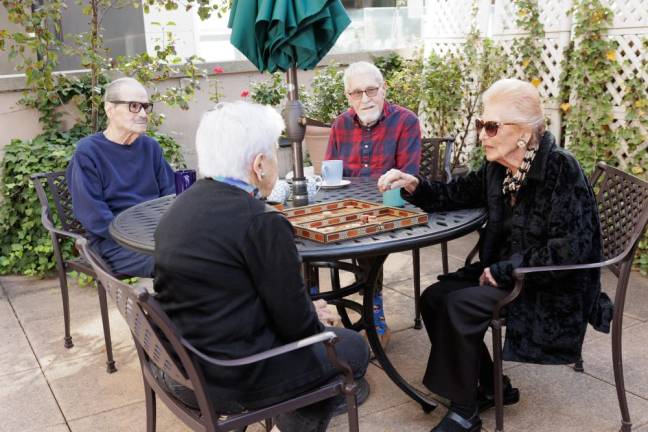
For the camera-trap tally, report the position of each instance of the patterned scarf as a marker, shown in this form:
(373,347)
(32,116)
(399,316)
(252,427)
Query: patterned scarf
(512,182)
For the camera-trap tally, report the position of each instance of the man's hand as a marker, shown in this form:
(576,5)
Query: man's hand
(394,179)
(326,316)
(487,278)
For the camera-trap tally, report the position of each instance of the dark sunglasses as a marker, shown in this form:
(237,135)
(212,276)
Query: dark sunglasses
(491,127)
(136,107)
(357,94)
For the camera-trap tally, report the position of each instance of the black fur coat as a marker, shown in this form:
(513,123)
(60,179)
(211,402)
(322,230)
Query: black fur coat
(554,222)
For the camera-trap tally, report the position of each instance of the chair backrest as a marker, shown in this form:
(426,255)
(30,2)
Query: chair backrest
(149,325)
(54,185)
(436,155)
(623,210)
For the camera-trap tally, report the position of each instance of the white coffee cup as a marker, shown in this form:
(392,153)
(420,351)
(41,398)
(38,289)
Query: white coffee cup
(332,172)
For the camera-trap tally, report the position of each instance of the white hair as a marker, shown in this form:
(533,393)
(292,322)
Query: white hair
(361,67)
(115,89)
(232,134)
(523,100)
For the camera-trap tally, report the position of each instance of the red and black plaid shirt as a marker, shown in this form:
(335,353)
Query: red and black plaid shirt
(393,142)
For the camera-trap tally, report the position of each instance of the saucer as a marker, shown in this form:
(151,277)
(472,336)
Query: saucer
(343,183)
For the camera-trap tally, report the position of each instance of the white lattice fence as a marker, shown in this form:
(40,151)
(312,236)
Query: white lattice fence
(448,23)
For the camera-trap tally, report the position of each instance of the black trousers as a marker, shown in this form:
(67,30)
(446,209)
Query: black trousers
(456,314)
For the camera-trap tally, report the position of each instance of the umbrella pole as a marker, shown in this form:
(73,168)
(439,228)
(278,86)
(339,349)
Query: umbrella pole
(296,129)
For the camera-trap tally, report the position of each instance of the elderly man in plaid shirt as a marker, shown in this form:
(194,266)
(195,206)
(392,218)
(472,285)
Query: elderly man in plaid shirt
(372,137)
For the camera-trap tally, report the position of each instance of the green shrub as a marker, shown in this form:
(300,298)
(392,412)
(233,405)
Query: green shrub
(327,99)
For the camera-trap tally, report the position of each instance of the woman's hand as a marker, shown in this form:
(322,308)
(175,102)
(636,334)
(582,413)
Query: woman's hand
(394,179)
(487,278)
(326,315)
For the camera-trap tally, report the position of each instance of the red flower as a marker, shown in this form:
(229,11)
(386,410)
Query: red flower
(245,93)
(218,70)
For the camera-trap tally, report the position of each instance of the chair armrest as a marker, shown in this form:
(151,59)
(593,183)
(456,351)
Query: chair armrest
(49,226)
(520,273)
(327,336)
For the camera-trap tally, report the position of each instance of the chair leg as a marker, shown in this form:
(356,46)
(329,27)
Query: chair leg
(151,414)
(416,276)
(444,257)
(498,378)
(617,349)
(578,366)
(352,411)
(268,424)
(105,320)
(67,340)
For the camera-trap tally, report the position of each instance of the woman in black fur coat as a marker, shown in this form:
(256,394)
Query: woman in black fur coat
(541,211)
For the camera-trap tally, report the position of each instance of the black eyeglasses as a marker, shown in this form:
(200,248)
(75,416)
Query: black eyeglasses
(136,107)
(491,127)
(357,94)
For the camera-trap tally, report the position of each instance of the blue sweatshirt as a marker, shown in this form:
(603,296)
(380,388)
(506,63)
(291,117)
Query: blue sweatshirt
(106,178)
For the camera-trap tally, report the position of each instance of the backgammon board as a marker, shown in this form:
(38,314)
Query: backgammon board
(349,218)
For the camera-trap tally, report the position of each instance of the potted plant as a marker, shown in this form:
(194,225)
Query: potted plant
(324,103)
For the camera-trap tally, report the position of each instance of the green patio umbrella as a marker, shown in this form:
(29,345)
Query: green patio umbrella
(280,34)
(288,35)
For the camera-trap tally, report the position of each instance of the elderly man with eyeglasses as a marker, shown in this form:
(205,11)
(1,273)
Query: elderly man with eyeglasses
(116,169)
(372,137)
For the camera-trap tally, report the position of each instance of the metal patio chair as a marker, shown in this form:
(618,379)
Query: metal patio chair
(623,210)
(435,165)
(180,360)
(58,219)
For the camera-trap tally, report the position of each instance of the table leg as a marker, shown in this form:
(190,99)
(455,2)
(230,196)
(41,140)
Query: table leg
(427,404)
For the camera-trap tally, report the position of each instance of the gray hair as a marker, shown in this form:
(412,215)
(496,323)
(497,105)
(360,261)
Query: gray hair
(361,67)
(232,134)
(523,100)
(115,88)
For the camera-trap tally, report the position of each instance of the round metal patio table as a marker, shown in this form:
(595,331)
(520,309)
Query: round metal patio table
(134,228)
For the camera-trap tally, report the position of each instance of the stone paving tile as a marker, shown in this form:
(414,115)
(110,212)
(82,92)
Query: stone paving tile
(407,416)
(46,336)
(26,403)
(15,353)
(83,388)
(641,428)
(555,398)
(598,359)
(46,303)
(16,286)
(129,418)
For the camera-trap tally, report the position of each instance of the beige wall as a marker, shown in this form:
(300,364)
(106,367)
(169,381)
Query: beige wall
(16,121)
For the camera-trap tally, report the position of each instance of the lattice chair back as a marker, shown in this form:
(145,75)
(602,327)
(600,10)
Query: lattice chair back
(129,302)
(54,185)
(436,156)
(623,209)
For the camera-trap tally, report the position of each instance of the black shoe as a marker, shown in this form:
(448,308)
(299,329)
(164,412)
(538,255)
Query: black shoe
(362,394)
(453,422)
(486,399)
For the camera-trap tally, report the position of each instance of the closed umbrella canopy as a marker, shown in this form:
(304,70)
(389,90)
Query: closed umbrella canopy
(280,34)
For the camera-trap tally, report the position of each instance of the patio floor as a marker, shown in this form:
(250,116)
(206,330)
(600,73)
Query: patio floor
(45,387)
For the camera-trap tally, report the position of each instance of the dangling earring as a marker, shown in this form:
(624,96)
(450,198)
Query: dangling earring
(521,143)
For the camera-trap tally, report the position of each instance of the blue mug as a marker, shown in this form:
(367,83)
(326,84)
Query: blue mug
(392,198)
(184,179)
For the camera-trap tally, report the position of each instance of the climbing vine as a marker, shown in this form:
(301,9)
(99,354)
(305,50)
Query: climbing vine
(588,67)
(527,49)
